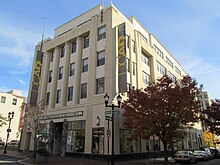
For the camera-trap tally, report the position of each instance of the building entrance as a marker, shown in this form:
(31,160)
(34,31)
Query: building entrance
(58,128)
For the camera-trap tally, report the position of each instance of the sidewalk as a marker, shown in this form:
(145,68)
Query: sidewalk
(58,160)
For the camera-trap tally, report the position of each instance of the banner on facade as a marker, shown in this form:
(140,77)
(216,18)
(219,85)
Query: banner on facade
(122,71)
(36,78)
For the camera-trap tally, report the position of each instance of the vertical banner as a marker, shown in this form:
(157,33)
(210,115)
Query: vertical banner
(122,71)
(36,78)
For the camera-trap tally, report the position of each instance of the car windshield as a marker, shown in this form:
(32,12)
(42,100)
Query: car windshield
(198,152)
(183,152)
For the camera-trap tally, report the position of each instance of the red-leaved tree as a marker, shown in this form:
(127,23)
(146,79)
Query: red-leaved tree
(164,109)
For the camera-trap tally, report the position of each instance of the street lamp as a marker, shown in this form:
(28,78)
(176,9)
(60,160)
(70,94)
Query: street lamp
(10,117)
(119,98)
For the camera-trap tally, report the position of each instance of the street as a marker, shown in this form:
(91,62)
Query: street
(210,162)
(4,159)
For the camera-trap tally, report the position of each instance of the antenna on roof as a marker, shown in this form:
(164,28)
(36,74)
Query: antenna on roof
(101,2)
(41,45)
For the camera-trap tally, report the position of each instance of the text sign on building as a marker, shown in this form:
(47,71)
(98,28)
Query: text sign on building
(122,69)
(36,78)
(64,115)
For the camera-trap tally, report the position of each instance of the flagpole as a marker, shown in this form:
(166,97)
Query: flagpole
(41,45)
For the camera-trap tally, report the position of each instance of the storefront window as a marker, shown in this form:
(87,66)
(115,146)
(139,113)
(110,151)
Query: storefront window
(98,140)
(127,143)
(76,136)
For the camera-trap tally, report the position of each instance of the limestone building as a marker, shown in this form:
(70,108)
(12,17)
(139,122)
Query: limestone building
(12,101)
(100,51)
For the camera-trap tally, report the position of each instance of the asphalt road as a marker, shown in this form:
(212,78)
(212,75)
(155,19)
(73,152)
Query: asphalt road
(210,162)
(4,159)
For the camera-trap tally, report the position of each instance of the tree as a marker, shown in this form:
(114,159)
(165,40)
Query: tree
(211,117)
(163,109)
(2,120)
(33,120)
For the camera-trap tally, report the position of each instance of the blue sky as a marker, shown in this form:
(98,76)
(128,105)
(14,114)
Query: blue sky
(189,29)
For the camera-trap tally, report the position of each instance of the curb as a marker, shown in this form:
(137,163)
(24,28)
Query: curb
(21,161)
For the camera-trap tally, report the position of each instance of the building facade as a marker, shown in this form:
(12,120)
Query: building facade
(12,101)
(101,51)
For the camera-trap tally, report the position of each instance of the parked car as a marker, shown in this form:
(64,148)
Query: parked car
(215,153)
(201,155)
(2,143)
(185,157)
(13,143)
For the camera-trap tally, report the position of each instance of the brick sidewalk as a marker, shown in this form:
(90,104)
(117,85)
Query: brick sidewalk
(58,160)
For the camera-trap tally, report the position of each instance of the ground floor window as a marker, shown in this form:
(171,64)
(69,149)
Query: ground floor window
(128,144)
(76,136)
(98,140)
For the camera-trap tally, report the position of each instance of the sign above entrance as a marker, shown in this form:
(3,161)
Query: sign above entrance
(64,115)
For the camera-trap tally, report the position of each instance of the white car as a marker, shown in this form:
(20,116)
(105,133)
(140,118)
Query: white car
(200,155)
(185,157)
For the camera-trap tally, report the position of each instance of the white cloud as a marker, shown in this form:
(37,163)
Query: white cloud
(21,81)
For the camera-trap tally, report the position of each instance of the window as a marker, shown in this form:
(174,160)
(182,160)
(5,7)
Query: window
(60,73)
(47,98)
(83,91)
(70,93)
(158,51)
(50,76)
(62,51)
(72,69)
(134,68)
(178,71)
(146,78)
(85,65)
(143,38)
(133,46)
(74,47)
(101,58)
(86,42)
(160,68)
(3,99)
(58,98)
(51,56)
(169,62)
(127,41)
(171,76)
(100,85)
(101,33)
(14,102)
(145,59)
(128,64)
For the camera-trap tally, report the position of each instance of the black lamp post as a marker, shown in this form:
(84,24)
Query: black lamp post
(10,117)
(119,98)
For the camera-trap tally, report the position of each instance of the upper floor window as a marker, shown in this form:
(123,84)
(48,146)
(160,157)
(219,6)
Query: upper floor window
(127,41)
(72,69)
(51,56)
(171,76)
(70,93)
(100,85)
(101,58)
(161,68)
(85,65)
(73,46)
(50,76)
(169,62)
(3,99)
(146,78)
(133,46)
(101,33)
(62,52)
(86,42)
(158,51)
(128,64)
(14,102)
(178,71)
(83,91)
(145,59)
(47,98)
(58,96)
(60,76)
(134,68)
